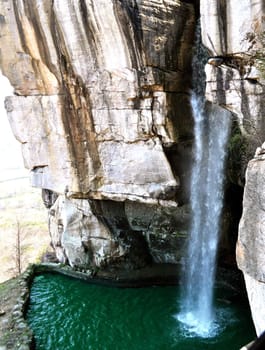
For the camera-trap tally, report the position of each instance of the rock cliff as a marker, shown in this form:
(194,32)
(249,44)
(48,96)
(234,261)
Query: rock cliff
(233,33)
(102,111)
(251,241)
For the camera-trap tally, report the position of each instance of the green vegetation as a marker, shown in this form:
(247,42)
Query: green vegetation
(14,331)
(237,155)
(8,295)
(237,146)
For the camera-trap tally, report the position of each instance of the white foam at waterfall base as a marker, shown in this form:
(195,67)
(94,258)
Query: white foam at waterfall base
(192,326)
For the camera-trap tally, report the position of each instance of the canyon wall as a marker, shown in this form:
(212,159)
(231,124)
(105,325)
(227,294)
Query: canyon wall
(101,108)
(233,33)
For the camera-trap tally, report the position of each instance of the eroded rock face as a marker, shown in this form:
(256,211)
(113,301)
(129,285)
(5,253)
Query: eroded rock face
(102,111)
(79,237)
(225,25)
(251,244)
(231,32)
(251,240)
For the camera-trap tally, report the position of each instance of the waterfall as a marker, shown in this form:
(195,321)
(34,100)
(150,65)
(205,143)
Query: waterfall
(211,130)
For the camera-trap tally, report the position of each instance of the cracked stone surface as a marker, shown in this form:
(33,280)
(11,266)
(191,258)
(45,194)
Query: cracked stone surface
(232,33)
(101,108)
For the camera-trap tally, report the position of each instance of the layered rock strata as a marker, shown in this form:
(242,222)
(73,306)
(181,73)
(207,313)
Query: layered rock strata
(233,33)
(102,111)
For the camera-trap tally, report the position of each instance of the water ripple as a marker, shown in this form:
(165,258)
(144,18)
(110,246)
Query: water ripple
(67,314)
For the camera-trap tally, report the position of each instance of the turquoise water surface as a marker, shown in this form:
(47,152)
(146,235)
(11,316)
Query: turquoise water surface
(69,314)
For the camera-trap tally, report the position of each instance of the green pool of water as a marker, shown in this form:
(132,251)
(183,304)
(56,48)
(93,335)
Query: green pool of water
(70,314)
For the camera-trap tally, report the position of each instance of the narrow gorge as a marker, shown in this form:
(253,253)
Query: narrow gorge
(102,109)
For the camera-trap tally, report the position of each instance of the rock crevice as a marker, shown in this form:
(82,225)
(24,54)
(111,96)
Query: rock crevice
(232,33)
(101,107)
(104,86)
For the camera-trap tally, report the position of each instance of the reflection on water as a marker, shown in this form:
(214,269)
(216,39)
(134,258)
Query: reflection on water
(70,314)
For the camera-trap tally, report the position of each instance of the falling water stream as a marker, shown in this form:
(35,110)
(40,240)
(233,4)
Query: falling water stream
(211,130)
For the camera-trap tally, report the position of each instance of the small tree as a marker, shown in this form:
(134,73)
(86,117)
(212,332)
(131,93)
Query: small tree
(18,249)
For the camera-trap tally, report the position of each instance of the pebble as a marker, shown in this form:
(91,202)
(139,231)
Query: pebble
(4,323)
(21,325)
(17,313)
(25,339)
(23,347)
(18,307)
(2,312)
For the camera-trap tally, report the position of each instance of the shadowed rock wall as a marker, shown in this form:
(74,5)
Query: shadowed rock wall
(232,32)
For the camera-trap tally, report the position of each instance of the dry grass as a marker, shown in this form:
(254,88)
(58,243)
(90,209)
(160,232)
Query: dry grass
(18,201)
(21,205)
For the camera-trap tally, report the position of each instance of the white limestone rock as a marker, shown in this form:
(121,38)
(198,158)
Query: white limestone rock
(225,24)
(97,93)
(22,58)
(237,84)
(226,87)
(131,163)
(230,30)
(78,237)
(251,239)
(101,98)
(256,296)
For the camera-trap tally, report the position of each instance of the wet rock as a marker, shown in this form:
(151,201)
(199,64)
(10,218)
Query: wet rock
(238,85)
(23,347)
(16,314)
(21,326)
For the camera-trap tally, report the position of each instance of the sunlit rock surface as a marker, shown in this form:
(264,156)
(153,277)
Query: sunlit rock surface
(231,31)
(225,24)
(101,108)
(251,241)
